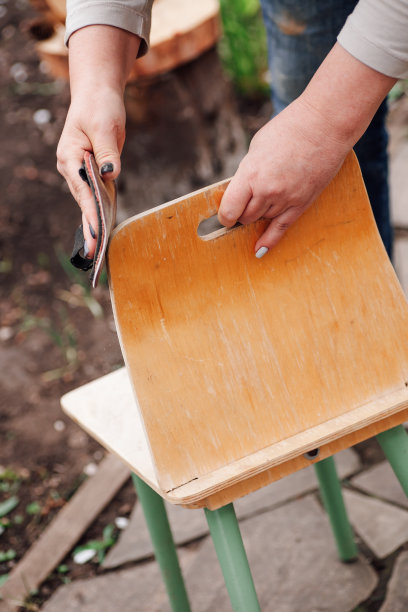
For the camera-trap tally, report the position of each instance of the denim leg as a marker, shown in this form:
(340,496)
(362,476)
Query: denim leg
(300,34)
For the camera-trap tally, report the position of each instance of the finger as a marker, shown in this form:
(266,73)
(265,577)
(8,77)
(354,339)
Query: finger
(234,200)
(89,237)
(276,230)
(256,208)
(106,149)
(83,195)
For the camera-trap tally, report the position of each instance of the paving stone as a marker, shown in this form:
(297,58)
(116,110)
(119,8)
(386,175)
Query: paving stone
(383,527)
(399,184)
(400,260)
(134,543)
(187,525)
(380,481)
(291,554)
(294,564)
(138,589)
(396,599)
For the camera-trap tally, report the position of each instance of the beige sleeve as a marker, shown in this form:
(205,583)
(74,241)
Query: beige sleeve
(376,33)
(131,15)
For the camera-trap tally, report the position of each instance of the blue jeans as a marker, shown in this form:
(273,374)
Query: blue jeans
(300,33)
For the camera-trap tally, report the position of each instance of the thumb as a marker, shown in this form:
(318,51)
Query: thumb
(235,199)
(107,156)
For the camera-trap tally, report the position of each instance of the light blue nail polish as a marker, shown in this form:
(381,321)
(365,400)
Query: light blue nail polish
(86,249)
(261,252)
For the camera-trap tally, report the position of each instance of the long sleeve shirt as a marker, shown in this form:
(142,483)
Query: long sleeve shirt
(376,33)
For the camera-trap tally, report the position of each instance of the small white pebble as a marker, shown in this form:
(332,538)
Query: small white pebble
(19,72)
(121,522)
(90,469)
(44,67)
(6,333)
(59,425)
(83,556)
(8,32)
(42,116)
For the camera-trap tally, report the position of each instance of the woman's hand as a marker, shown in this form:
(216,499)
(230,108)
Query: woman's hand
(294,156)
(95,122)
(100,58)
(289,162)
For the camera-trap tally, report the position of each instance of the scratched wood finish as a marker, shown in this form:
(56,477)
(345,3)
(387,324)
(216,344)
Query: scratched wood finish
(229,355)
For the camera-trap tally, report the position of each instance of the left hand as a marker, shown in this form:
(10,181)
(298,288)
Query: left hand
(289,162)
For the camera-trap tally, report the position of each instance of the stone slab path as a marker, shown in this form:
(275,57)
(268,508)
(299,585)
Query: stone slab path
(290,551)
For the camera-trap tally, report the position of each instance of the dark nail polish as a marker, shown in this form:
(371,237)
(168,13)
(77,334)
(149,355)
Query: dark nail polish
(108,167)
(82,174)
(91,229)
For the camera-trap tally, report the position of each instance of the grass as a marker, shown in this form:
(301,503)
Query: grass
(242,47)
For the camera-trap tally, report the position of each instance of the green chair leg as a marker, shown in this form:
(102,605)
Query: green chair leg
(394,444)
(330,489)
(231,554)
(163,544)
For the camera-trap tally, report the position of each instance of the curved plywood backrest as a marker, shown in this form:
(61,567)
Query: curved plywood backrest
(230,355)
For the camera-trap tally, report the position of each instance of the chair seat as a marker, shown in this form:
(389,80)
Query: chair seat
(107,409)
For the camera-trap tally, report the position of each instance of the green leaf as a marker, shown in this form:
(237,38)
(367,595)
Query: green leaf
(33,508)
(8,505)
(63,568)
(3,579)
(7,555)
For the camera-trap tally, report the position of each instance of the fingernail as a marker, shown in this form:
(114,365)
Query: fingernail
(86,249)
(91,229)
(261,252)
(107,168)
(82,174)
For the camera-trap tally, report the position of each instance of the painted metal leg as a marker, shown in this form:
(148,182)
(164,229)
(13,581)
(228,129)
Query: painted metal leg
(163,544)
(231,554)
(330,489)
(394,444)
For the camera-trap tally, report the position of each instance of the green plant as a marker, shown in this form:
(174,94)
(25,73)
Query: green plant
(8,505)
(242,47)
(7,555)
(33,508)
(99,547)
(3,579)
(399,90)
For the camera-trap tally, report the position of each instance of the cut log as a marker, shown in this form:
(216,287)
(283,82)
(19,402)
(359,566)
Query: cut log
(181,31)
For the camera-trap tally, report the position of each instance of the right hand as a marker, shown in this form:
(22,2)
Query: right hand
(95,123)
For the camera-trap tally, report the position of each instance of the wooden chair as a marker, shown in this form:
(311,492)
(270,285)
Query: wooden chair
(245,370)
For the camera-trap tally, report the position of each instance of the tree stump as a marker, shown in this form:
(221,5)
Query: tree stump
(183,132)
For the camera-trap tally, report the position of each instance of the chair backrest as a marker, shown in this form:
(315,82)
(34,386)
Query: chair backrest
(229,354)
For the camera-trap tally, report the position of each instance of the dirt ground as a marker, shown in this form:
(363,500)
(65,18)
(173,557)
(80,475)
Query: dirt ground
(54,333)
